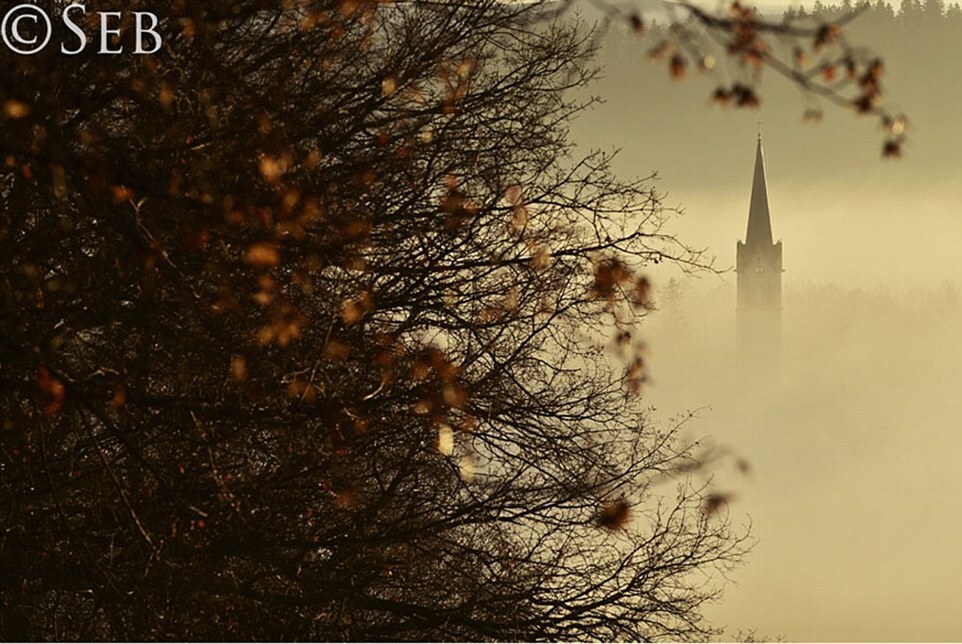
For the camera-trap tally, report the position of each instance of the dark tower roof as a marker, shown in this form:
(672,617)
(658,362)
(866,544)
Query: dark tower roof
(759,220)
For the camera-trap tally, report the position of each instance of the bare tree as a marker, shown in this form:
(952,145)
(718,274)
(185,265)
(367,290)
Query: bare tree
(305,335)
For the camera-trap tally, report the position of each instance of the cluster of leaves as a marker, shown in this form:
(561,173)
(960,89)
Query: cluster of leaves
(302,338)
(809,49)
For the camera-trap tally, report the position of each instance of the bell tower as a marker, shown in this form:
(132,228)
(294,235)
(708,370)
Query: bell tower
(759,269)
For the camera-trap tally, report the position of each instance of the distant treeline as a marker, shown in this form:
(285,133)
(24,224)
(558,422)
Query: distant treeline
(920,40)
(911,13)
(915,27)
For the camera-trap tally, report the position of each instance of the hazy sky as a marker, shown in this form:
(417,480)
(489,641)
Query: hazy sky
(855,450)
(853,493)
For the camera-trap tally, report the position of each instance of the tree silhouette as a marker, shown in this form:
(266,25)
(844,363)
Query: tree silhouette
(305,334)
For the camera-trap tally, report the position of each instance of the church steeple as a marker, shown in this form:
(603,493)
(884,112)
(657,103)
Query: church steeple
(759,268)
(759,258)
(759,219)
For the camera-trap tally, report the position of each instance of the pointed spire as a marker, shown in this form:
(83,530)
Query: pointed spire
(759,220)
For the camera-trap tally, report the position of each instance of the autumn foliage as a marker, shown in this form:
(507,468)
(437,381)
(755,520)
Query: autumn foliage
(732,48)
(315,326)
